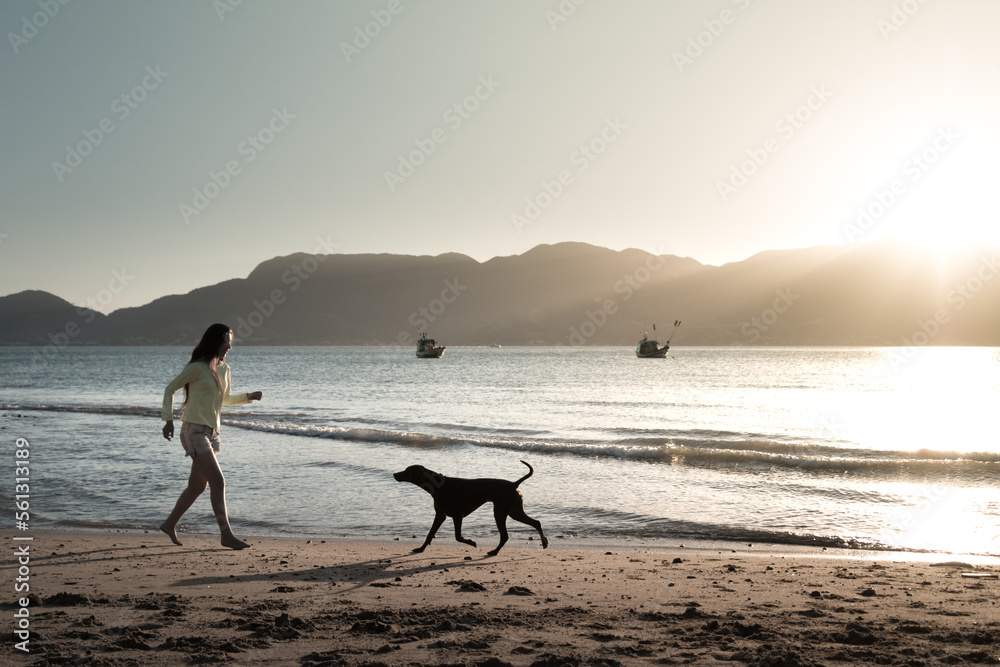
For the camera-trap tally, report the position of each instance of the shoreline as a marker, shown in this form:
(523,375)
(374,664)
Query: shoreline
(132,597)
(526,539)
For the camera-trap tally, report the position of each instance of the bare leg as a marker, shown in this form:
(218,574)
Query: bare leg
(196,485)
(209,468)
(205,471)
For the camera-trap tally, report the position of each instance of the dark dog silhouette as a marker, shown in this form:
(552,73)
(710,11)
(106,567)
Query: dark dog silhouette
(458,498)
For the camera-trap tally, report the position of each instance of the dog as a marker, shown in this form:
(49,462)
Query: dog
(458,498)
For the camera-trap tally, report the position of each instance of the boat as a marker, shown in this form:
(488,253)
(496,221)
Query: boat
(650,348)
(427,348)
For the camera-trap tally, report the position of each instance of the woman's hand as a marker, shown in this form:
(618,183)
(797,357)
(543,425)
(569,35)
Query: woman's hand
(255,396)
(168,430)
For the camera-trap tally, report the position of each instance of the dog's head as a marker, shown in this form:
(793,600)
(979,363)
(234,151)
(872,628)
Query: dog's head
(428,480)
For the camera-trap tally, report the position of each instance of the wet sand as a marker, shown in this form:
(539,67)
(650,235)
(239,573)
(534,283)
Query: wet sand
(134,598)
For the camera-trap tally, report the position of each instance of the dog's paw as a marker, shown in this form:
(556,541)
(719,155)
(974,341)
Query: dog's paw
(545,543)
(418,550)
(493,553)
(471,544)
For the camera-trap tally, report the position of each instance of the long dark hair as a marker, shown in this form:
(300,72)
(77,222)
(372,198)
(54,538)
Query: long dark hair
(207,349)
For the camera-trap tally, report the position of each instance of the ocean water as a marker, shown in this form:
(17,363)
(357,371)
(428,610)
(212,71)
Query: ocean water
(875,449)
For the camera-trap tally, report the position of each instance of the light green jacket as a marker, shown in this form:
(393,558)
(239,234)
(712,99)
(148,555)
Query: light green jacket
(205,399)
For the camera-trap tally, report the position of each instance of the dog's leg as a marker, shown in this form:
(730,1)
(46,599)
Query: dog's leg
(500,515)
(517,513)
(438,520)
(458,532)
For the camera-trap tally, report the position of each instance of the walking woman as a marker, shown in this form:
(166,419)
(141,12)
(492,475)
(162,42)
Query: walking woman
(206,387)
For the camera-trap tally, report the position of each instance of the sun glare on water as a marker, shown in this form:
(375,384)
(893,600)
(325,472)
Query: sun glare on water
(939,406)
(939,399)
(940,519)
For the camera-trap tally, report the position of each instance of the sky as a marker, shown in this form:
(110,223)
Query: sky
(150,148)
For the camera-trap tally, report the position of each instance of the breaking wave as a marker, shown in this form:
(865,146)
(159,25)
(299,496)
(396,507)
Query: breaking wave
(710,449)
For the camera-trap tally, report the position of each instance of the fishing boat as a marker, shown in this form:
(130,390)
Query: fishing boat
(427,348)
(650,348)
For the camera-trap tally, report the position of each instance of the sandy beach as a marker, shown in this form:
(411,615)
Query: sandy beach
(133,598)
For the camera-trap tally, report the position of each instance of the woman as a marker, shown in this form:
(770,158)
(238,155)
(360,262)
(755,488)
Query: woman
(206,387)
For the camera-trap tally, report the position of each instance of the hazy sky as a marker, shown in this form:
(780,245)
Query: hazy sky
(155,147)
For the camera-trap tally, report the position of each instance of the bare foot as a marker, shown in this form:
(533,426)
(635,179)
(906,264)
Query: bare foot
(171,534)
(234,542)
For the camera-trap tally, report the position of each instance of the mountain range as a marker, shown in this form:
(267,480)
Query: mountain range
(563,294)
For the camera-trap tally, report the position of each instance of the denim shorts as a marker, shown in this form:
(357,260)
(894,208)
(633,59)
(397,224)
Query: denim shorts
(199,439)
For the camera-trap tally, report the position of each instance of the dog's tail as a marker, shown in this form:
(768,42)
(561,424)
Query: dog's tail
(531,471)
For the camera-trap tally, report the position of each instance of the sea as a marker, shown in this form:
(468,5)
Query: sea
(886,450)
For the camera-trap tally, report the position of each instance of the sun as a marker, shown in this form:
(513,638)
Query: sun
(933,189)
(943,198)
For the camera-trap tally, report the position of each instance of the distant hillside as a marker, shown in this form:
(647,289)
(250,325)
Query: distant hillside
(569,293)
(39,318)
